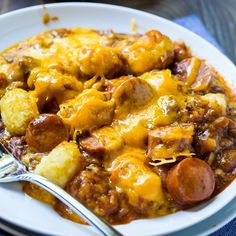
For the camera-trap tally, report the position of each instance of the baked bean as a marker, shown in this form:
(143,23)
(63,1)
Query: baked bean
(227,160)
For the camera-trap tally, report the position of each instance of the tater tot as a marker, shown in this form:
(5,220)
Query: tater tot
(99,60)
(88,111)
(18,108)
(45,132)
(150,51)
(52,84)
(136,180)
(61,164)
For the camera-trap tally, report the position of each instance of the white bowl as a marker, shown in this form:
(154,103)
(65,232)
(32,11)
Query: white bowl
(20,209)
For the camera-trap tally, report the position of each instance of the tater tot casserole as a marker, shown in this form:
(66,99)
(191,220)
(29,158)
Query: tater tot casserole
(133,126)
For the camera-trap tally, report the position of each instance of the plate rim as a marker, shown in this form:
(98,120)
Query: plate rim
(22,231)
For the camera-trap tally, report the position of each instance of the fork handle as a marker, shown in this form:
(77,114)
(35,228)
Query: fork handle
(76,206)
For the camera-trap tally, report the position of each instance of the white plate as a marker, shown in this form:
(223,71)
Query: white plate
(203,228)
(19,209)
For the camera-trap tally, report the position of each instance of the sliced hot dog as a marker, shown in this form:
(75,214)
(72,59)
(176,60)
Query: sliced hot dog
(190,181)
(45,132)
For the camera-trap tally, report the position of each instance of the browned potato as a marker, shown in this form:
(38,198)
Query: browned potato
(142,186)
(45,132)
(17,115)
(150,51)
(129,134)
(52,84)
(61,164)
(99,60)
(88,111)
(163,82)
(16,72)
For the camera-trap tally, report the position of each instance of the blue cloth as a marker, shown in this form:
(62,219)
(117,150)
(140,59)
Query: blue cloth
(195,24)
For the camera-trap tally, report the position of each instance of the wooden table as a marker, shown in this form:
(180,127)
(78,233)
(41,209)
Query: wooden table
(218,16)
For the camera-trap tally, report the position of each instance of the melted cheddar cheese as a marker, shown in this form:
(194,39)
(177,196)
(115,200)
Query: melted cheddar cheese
(125,109)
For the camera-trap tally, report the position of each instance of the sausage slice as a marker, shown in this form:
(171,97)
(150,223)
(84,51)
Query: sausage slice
(92,145)
(227,160)
(190,181)
(45,132)
(198,74)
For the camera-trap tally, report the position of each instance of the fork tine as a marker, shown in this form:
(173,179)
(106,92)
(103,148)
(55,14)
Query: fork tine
(12,170)
(8,165)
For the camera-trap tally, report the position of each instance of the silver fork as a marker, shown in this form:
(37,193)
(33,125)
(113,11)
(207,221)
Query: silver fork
(12,170)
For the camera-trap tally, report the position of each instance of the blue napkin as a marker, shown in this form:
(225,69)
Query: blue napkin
(195,24)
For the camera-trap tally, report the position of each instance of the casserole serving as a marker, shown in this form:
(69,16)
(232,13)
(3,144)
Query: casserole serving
(156,150)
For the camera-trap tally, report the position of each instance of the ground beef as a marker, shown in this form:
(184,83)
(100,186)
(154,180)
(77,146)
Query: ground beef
(91,187)
(17,146)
